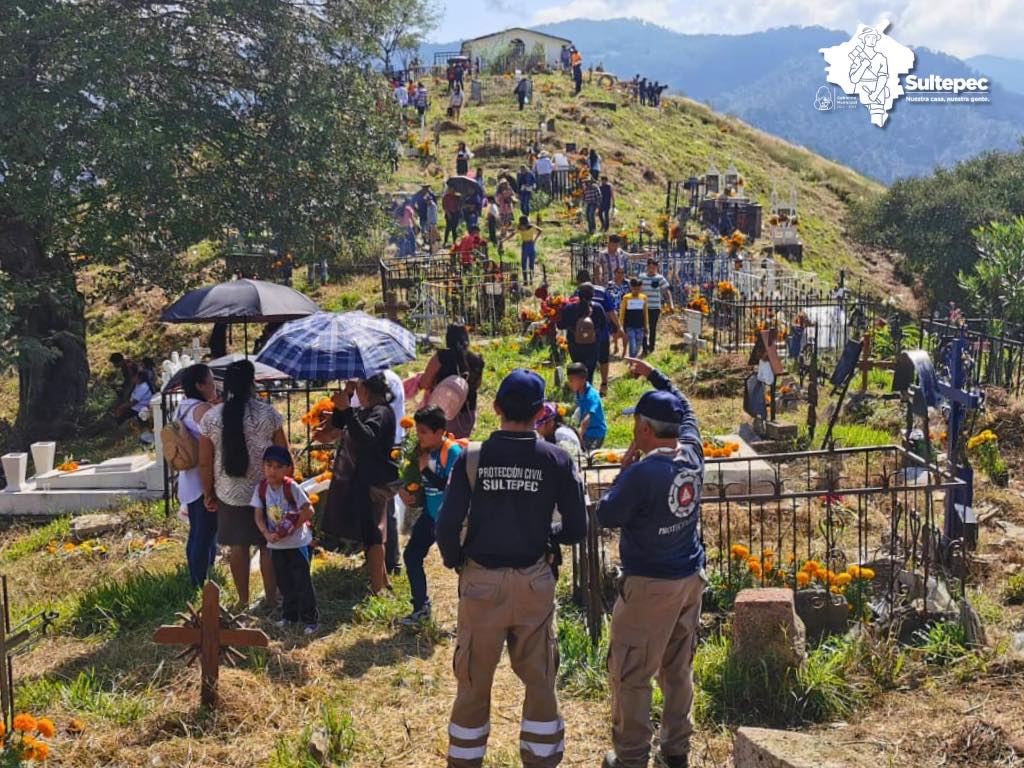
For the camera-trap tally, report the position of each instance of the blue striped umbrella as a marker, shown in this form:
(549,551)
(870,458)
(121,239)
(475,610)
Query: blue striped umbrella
(327,346)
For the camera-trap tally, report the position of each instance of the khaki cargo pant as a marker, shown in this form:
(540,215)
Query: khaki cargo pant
(654,632)
(496,606)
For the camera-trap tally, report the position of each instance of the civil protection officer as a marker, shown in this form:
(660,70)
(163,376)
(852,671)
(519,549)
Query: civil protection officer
(508,488)
(656,502)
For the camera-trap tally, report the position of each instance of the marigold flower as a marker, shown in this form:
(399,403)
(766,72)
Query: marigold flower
(739,552)
(803,578)
(867,574)
(754,567)
(45,727)
(396,454)
(843,579)
(810,567)
(24,723)
(75,725)
(413,487)
(407,422)
(314,499)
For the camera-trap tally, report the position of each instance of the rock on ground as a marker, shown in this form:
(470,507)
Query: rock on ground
(767,748)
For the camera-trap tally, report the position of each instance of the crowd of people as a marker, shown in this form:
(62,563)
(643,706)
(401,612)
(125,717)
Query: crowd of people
(647,92)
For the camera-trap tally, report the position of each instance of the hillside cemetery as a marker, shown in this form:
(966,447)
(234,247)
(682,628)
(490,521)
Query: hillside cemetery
(859,502)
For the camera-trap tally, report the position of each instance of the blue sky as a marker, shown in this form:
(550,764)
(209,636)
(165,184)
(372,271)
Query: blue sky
(954,26)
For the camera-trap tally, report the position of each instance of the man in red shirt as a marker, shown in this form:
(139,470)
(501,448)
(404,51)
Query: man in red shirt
(469,244)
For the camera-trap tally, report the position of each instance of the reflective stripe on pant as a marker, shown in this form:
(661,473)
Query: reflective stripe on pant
(497,606)
(654,632)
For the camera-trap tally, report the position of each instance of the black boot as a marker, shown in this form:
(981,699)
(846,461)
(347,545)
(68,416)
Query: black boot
(611,760)
(676,761)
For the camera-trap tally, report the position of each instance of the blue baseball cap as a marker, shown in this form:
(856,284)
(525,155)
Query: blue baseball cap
(660,406)
(279,455)
(524,385)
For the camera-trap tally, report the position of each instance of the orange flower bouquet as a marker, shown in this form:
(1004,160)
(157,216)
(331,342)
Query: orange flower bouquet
(24,745)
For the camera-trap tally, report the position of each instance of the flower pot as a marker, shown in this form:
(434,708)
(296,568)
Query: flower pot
(42,457)
(15,467)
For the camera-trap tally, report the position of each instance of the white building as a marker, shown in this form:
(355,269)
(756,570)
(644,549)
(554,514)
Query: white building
(517,47)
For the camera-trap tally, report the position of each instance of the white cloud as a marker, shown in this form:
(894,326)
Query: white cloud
(952,26)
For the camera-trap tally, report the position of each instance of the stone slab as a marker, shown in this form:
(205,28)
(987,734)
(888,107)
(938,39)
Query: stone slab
(768,748)
(93,525)
(765,628)
(738,478)
(95,478)
(45,503)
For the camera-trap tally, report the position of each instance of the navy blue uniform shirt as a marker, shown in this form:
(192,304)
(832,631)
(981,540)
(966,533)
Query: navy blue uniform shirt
(656,503)
(519,481)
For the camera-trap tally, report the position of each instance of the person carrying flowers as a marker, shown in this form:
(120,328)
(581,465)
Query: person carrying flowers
(436,455)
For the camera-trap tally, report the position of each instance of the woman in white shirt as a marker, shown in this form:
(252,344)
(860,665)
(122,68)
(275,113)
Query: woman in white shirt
(234,437)
(552,427)
(200,390)
(455,102)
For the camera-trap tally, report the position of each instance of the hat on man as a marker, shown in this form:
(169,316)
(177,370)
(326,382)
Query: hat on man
(279,455)
(659,405)
(523,385)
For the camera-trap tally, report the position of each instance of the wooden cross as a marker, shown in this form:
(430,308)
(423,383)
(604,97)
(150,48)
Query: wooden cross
(867,363)
(15,641)
(208,633)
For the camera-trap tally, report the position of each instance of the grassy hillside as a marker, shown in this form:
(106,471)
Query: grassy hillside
(643,148)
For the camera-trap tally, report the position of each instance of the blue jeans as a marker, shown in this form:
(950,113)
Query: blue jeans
(420,541)
(636,340)
(529,259)
(201,547)
(524,202)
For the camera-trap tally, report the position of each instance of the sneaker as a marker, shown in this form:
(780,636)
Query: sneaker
(418,616)
(310,629)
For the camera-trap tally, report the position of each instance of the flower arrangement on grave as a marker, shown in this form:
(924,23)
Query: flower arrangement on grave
(700,304)
(854,584)
(606,457)
(983,449)
(726,290)
(24,745)
(663,226)
(87,548)
(735,242)
(720,449)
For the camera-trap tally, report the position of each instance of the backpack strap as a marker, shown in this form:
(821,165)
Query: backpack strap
(472,463)
(263,494)
(288,494)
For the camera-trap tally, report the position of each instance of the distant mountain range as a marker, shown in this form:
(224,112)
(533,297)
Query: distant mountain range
(769,79)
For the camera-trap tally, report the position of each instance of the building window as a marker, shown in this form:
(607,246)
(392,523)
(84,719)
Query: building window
(517,47)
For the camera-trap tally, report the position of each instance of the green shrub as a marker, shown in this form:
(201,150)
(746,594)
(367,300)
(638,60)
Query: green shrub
(1014,591)
(582,669)
(820,690)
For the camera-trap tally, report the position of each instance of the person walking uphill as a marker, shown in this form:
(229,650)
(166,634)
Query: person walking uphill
(656,503)
(507,489)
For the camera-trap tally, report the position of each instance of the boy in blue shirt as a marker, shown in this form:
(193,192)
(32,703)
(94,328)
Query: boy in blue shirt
(593,425)
(437,456)
(283,512)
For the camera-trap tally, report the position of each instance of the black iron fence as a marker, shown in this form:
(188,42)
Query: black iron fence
(402,279)
(511,140)
(828,319)
(854,531)
(996,349)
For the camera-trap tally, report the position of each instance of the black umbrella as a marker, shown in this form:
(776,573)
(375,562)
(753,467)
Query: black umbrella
(264,372)
(240,301)
(464,186)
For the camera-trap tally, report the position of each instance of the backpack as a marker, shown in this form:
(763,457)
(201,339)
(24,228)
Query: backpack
(180,448)
(585,331)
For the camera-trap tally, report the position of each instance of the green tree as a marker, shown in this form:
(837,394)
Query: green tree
(403,26)
(932,220)
(996,283)
(130,130)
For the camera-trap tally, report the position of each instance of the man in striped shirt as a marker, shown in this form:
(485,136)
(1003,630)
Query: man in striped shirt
(655,287)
